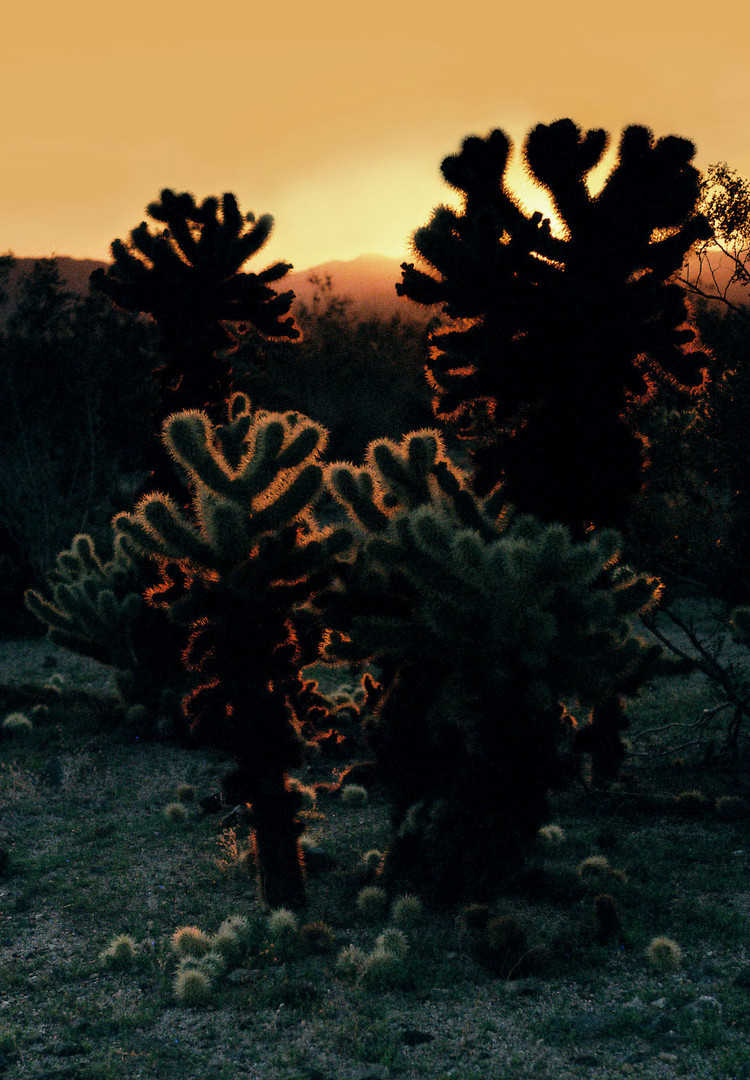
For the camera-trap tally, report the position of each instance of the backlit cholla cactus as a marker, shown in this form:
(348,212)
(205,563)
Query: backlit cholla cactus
(483,624)
(95,608)
(549,339)
(250,554)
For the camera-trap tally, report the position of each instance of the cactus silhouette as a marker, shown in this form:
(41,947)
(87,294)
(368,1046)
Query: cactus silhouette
(188,276)
(482,623)
(249,553)
(551,338)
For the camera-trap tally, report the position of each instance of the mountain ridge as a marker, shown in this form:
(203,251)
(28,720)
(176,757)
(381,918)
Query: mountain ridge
(367,281)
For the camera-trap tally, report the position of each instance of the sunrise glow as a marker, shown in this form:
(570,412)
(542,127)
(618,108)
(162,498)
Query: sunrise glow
(331,119)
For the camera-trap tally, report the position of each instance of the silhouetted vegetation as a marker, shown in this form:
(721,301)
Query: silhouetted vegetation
(551,338)
(76,400)
(360,377)
(487,605)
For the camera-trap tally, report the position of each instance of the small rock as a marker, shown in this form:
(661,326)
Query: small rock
(660,1003)
(706,1006)
(635,1003)
(665,1056)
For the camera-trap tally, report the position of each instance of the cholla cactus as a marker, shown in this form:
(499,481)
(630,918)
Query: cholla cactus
(96,608)
(188,275)
(248,555)
(482,624)
(550,339)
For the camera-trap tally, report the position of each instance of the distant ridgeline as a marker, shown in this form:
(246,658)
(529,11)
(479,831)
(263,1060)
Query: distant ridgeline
(368,281)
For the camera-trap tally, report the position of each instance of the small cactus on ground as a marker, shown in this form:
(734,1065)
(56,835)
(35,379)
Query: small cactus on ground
(121,952)
(284,931)
(392,940)
(228,943)
(372,902)
(595,870)
(176,813)
(550,837)
(406,910)
(17,723)
(354,795)
(350,962)
(664,953)
(190,941)
(731,808)
(192,986)
(317,937)
(692,804)
(382,971)
(372,861)
(186,794)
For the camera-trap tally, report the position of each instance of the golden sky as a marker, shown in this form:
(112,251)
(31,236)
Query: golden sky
(331,116)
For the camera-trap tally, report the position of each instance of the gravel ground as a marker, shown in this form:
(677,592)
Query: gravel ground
(27,659)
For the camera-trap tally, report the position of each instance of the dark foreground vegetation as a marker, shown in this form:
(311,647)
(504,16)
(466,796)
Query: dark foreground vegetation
(441,657)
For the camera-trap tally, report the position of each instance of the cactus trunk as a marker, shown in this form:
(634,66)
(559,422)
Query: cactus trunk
(280,868)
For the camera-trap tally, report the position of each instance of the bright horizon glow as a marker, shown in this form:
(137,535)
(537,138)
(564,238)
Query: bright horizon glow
(333,120)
